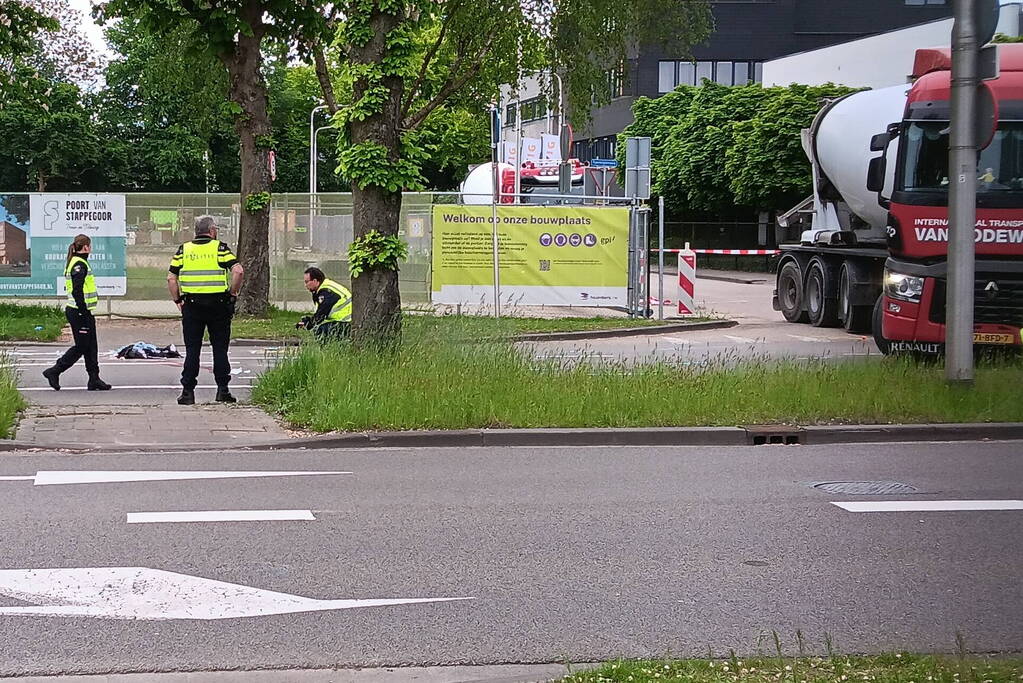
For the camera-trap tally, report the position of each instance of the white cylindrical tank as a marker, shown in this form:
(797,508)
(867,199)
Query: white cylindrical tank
(841,144)
(478,186)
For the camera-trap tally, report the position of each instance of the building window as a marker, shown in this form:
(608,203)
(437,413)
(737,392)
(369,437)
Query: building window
(509,115)
(693,73)
(666,78)
(616,81)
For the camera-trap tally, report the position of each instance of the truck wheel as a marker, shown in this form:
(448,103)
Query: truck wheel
(879,339)
(854,318)
(821,297)
(790,292)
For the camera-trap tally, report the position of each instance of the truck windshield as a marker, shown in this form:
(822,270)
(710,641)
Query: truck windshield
(925,160)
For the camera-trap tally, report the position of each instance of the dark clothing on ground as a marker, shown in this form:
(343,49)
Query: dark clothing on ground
(206,313)
(83,328)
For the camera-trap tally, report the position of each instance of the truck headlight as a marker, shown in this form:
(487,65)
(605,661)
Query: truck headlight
(904,287)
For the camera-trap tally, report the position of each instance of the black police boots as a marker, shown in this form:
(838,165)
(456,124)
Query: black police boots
(224,396)
(187,397)
(52,376)
(96,384)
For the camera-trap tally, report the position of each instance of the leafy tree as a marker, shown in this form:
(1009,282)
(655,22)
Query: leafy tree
(237,32)
(767,167)
(723,150)
(50,139)
(396,87)
(19,24)
(48,36)
(164,112)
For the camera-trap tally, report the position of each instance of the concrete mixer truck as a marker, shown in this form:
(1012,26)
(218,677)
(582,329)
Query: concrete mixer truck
(869,249)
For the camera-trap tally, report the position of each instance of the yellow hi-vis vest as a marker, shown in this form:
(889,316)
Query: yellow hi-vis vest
(88,288)
(201,272)
(342,310)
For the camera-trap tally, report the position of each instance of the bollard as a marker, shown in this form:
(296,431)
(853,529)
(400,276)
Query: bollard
(686,281)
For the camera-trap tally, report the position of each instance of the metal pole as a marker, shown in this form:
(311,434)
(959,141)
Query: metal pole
(312,165)
(962,200)
(495,144)
(312,148)
(660,258)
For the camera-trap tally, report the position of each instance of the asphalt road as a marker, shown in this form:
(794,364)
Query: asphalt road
(761,333)
(570,554)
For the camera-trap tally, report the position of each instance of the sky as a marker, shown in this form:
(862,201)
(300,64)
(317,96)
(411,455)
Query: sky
(89,27)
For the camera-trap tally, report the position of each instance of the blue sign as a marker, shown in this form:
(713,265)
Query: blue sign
(604,163)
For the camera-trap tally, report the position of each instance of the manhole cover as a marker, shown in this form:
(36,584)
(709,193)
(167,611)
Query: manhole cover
(865,488)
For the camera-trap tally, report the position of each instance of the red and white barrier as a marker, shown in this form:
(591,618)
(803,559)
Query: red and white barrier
(726,252)
(686,281)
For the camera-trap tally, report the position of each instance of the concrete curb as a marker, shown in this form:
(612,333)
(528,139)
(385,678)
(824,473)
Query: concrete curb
(749,435)
(495,673)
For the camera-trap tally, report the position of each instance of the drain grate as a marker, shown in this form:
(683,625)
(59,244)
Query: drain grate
(865,488)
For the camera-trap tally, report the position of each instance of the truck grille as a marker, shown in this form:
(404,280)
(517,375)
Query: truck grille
(1004,306)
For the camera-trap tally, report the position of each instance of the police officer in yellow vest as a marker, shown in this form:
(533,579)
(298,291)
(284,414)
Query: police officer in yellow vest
(82,297)
(333,316)
(204,281)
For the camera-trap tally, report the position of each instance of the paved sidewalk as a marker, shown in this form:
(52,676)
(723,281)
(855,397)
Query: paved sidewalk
(148,426)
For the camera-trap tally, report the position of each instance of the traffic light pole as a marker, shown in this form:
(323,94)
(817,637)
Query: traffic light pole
(962,198)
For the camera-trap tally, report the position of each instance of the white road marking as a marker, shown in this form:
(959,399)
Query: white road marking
(929,505)
(17,478)
(137,386)
(220,516)
(57,477)
(676,340)
(740,340)
(809,339)
(154,594)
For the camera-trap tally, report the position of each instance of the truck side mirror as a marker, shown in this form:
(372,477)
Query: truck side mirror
(875,174)
(879,142)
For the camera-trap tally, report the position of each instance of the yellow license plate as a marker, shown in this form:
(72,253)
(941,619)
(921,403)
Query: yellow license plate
(986,338)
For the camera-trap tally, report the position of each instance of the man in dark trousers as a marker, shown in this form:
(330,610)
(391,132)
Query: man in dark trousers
(204,281)
(333,317)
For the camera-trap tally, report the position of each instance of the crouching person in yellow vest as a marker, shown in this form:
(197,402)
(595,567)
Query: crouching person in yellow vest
(82,298)
(204,280)
(333,317)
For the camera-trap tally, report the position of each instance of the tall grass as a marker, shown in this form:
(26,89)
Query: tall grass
(11,401)
(441,382)
(19,323)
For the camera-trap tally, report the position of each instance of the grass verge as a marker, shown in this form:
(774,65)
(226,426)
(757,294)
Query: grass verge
(11,401)
(281,325)
(897,668)
(440,382)
(19,323)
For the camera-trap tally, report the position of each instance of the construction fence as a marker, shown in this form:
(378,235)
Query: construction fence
(305,230)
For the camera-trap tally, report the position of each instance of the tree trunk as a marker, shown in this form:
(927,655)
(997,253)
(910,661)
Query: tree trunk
(248,90)
(376,314)
(40,182)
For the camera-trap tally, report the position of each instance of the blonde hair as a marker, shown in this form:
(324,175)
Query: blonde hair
(79,243)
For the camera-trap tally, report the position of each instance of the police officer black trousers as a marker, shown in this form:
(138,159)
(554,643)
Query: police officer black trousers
(83,329)
(206,313)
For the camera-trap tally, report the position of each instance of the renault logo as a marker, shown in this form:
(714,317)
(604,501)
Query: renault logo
(991,290)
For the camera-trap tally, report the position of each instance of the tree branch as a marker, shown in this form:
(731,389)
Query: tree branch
(323,76)
(413,92)
(450,86)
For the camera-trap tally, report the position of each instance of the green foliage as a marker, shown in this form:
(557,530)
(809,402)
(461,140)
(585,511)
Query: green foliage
(1002,38)
(370,164)
(257,201)
(50,138)
(767,167)
(727,150)
(454,381)
(19,25)
(374,251)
